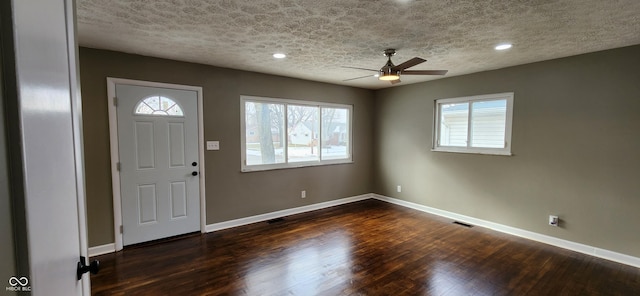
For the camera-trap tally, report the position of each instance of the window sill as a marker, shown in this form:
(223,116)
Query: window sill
(497,152)
(259,168)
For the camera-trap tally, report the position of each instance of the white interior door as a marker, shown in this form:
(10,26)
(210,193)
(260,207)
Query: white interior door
(159,162)
(46,145)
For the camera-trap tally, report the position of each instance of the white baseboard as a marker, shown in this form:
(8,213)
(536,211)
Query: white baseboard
(101,250)
(283,213)
(554,241)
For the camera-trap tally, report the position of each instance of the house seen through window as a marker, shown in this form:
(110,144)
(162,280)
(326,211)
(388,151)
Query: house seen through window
(477,124)
(280,133)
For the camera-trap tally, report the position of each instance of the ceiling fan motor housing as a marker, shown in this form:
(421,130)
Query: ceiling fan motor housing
(387,72)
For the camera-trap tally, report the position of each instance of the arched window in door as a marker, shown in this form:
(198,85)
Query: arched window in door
(158,105)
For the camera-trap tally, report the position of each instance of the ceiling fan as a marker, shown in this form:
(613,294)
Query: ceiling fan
(391,72)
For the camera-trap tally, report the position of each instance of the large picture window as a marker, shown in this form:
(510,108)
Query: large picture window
(477,124)
(279,133)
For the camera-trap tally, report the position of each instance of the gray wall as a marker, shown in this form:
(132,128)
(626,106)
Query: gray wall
(230,194)
(575,142)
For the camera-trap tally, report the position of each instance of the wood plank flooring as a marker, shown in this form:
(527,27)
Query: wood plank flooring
(363,248)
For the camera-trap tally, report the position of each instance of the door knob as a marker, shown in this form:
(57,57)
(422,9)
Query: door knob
(194,173)
(93,267)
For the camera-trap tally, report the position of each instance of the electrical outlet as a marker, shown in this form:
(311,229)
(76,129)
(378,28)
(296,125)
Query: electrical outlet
(303,194)
(553,220)
(399,188)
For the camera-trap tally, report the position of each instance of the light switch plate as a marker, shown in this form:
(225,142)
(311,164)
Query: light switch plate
(213,145)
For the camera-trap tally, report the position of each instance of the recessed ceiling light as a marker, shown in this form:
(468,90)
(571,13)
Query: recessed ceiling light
(503,46)
(279,55)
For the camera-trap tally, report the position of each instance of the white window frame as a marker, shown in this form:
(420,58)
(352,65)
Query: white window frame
(286,164)
(468,149)
(142,101)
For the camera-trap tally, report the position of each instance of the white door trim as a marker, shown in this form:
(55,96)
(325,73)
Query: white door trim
(113,140)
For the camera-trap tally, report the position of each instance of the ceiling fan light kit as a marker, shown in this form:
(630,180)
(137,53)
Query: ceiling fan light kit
(388,75)
(390,72)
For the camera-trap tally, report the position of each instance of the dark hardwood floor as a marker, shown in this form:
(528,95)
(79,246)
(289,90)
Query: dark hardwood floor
(363,248)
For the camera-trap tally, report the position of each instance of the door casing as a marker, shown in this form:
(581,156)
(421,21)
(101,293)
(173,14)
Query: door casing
(113,139)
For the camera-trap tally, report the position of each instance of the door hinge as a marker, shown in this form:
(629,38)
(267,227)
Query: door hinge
(121,228)
(115,101)
(118,166)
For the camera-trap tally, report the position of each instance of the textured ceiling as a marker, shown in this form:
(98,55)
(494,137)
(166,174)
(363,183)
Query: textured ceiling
(321,35)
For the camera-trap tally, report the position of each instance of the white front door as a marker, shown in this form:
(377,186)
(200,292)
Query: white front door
(159,163)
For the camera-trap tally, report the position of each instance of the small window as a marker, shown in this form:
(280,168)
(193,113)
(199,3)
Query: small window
(478,124)
(158,105)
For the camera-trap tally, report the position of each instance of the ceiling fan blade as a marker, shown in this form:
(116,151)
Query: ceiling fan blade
(358,78)
(395,81)
(360,68)
(425,72)
(408,64)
